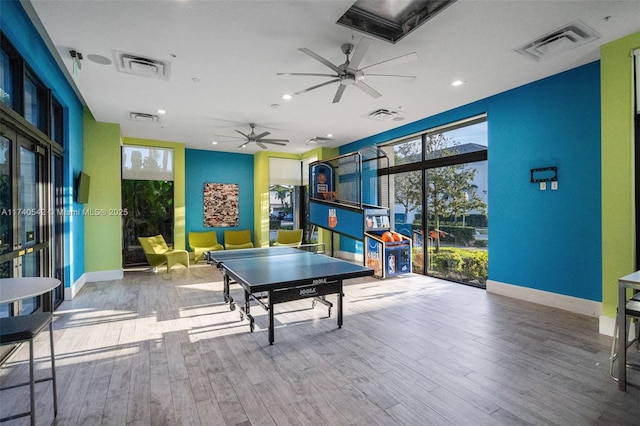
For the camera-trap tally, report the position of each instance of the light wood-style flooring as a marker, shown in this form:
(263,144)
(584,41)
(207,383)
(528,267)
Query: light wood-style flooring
(163,349)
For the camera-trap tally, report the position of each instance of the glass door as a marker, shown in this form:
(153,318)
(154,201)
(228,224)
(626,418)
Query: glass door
(24,218)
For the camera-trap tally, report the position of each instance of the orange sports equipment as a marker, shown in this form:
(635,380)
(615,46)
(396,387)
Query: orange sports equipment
(387,237)
(396,236)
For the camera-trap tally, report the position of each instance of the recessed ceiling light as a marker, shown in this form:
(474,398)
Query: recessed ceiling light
(214,143)
(458,82)
(287,96)
(329,135)
(195,80)
(162,111)
(275,106)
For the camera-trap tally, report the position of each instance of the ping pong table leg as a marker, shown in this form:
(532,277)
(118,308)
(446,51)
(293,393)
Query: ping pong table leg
(340,295)
(271,319)
(227,293)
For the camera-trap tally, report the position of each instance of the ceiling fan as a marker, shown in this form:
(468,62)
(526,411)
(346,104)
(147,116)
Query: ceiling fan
(348,74)
(258,139)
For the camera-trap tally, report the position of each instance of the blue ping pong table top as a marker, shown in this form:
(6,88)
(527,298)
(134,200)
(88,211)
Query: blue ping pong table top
(264,269)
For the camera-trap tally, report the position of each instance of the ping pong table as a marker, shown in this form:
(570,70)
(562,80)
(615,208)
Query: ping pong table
(283,274)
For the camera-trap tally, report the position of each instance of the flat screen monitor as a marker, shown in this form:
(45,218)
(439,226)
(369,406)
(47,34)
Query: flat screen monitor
(82,195)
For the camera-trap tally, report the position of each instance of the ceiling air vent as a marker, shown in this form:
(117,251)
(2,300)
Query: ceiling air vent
(141,66)
(559,41)
(384,114)
(143,117)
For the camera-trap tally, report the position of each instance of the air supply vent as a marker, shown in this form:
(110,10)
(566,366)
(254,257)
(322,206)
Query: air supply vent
(559,41)
(144,117)
(141,66)
(384,114)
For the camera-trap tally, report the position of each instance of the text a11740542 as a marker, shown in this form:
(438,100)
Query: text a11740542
(64,212)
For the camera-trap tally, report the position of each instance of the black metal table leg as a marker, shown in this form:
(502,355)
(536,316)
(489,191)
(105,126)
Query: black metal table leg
(227,294)
(340,295)
(271,319)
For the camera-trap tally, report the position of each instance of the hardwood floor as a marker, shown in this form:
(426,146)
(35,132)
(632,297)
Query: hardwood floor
(158,349)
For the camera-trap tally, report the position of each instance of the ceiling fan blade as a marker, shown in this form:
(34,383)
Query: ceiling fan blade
(228,137)
(307,74)
(367,89)
(339,93)
(411,77)
(320,59)
(317,86)
(246,136)
(359,51)
(261,135)
(395,61)
(273,140)
(261,145)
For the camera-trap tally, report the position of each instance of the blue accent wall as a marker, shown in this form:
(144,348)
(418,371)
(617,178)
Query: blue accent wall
(217,167)
(544,240)
(25,38)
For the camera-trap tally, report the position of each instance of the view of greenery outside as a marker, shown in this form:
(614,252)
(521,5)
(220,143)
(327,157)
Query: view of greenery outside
(280,209)
(455,234)
(149,206)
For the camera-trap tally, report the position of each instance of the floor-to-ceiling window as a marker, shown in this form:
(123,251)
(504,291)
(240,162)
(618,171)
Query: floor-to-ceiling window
(32,128)
(147,199)
(286,196)
(440,192)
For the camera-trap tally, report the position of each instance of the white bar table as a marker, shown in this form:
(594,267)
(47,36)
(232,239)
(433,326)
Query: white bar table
(628,281)
(13,289)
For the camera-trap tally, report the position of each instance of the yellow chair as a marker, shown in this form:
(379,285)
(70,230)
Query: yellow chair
(289,238)
(158,253)
(237,239)
(201,242)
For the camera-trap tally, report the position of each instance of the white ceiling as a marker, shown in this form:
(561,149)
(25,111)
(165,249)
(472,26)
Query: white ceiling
(236,48)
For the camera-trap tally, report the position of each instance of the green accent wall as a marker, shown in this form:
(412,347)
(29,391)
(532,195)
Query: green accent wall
(178,185)
(102,232)
(618,213)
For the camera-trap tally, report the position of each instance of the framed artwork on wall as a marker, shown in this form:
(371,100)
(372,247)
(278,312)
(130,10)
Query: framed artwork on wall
(221,205)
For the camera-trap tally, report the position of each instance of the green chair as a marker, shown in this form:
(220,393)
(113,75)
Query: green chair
(158,253)
(201,242)
(289,238)
(237,239)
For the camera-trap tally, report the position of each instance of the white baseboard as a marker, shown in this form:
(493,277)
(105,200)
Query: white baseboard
(606,325)
(554,300)
(70,292)
(89,277)
(116,274)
